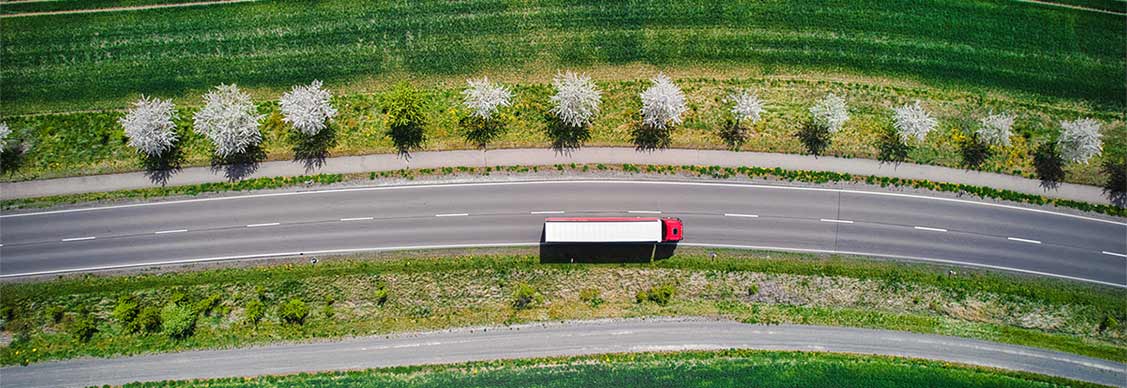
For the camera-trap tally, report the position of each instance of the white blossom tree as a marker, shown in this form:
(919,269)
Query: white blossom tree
(1079,140)
(149,126)
(746,107)
(996,128)
(307,108)
(576,101)
(230,120)
(4,133)
(484,98)
(663,103)
(912,121)
(830,112)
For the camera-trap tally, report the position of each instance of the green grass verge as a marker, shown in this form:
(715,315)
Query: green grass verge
(426,291)
(13,8)
(729,368)
(716,172)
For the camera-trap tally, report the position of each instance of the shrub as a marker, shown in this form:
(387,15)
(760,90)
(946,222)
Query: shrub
(1108,323)
(380,295)
(307,108)
(995,129)
(576,100)
(974,150)
(294,312)
(205,306)
(815,137)
(484,98)
(830,113)
(753,290)
(56,313)
(403,109)
(591,296)
(125,313)
(912,121)
(148,320)
(892,146)
(746,107)
(662,104)
(1048,164)
(84,326)
(229,120)
(1079,140)
(661,294)
(524,296)
(254,312)
(178,321)
(149,126)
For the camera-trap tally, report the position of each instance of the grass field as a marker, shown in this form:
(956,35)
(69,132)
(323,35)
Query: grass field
(731,368)
(423,291)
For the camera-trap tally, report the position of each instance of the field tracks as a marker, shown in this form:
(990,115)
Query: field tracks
(1077,7)
(118,9)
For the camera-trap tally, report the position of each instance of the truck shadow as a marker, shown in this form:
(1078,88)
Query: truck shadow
(557,253)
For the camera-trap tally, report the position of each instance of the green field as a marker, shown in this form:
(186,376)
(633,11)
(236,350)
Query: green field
(731,368)
(403,292)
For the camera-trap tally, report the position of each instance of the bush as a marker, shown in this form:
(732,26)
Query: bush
(591,297)
(56,313)
(1049,164)
(294,312)
(661,294)
(524,296)
(84,327)
(125,313)
(403,108)
(205,306)
(254,312)
(380,295)
(975,151)
(830,113)
(1108,323)
(148,320)
(178,321)
(753,290)
(815,137)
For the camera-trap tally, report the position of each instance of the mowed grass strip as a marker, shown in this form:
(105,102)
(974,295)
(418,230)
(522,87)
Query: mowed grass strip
(99,61)
(729,368)
(17,7)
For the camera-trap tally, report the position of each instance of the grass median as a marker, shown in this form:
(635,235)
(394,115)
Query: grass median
(373,294)
(730,368)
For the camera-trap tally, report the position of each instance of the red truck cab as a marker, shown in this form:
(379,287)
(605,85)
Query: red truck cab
(672,229)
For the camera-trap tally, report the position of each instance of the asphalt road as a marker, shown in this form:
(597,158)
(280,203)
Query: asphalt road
(774,217)
(573,338)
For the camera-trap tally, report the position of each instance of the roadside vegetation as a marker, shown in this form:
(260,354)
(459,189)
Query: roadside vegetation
(729,368)
(366,295)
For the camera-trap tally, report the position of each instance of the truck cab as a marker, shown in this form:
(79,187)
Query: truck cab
(671,229)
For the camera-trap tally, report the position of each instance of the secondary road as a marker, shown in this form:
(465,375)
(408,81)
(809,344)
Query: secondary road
(725,214)
(573,338)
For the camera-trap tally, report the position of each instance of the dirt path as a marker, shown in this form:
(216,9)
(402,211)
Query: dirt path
(120,9)
(1052,4)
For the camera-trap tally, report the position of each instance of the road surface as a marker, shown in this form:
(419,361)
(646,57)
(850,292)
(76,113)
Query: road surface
(572,338)
(471,214)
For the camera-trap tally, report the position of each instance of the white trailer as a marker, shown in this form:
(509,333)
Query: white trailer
(611,230)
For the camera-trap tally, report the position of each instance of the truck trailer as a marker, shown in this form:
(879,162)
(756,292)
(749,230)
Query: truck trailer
(612,230)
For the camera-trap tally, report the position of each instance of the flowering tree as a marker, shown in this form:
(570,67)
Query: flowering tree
(230,120)
(662,104)
(912,120)
(745,107)
(577,99)
(307,108)
(830,112)
(484,98)
(995,128)
(1079,140)
(4,132)
(149,126)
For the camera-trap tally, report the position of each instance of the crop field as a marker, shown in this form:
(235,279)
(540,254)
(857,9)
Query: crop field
(731,368)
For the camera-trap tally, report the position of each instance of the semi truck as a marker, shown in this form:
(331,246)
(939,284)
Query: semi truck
(612,230)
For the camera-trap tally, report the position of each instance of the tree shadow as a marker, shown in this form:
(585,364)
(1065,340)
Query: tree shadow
(650,139)
(480,132)
(566,138)
(12,158)
(159,169)
(1115,187)
(407,138)
(975,152)
(1049,165)
(734,135)
(815,137)
(312,150)
(239,166)
(892,148)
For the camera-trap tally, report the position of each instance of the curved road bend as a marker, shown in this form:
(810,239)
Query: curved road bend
(729,214)
(573,338)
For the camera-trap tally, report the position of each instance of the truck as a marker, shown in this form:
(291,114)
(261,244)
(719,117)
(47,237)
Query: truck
(568,230)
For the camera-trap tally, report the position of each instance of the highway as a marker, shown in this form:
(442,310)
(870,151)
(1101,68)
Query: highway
(554,339)
(500,213)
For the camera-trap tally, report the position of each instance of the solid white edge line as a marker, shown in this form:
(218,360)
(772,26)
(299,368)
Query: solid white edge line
(357,219)
(930,229)
(1024,240)
(78,239)
(440,185)
(740,215)
(266,224)
(1114,254)
(452,215)
(171,231)
(837,221)
(917,258)
(644,211)
(547,212)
